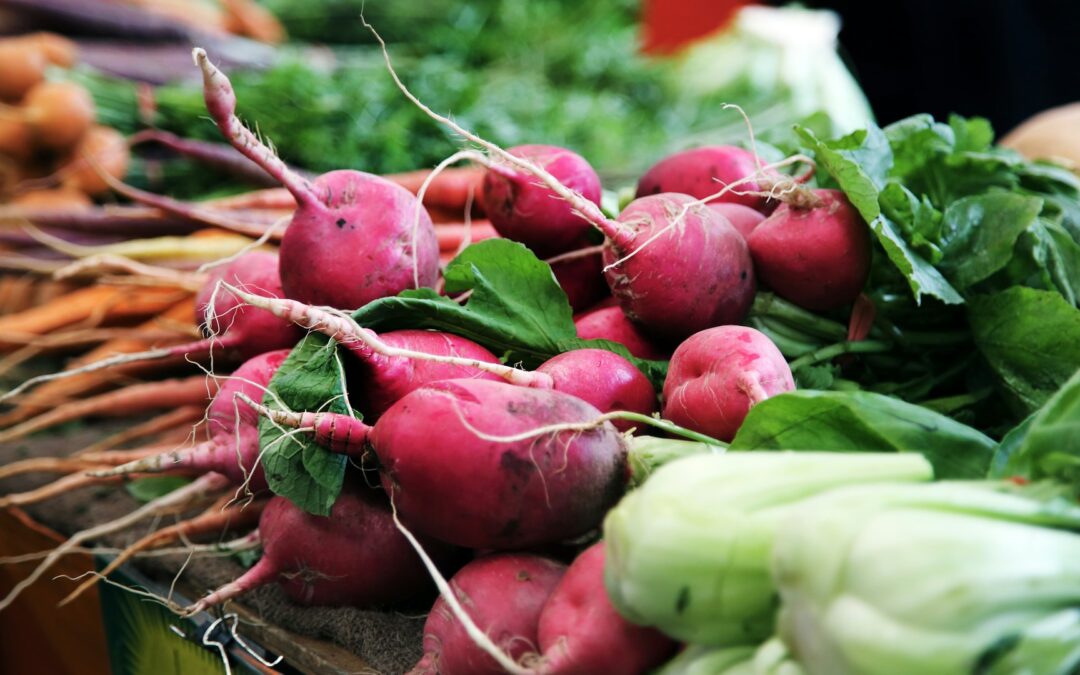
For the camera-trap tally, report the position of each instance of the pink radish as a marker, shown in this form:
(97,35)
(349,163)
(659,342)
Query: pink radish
(580,633)
(603,379)
(522,210)
(610,323)
(485,464)
(354,557)
(701,172)
(580,275)
(233,447)
(503,595)
(353,237)
(676,266)
(742,218)
(717,375)
(817,256)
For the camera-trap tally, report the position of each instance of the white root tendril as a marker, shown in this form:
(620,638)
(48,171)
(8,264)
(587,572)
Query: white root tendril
(341,327)
(479,637)
(585,208)
(442,166)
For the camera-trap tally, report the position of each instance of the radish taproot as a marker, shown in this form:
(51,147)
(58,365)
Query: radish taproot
(514,466)
(717,375)
(676,266)
(504,595)
(232,448)
(527,212)
(352,238)
(354,557)
(816,254)
(701,172)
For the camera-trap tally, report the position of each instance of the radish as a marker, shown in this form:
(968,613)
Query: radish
(580,275)
(603,379)
(611,323)
(354,557)
(700,172)
(717,375)
(742,218)
(353,237)
(235,328)
(504,595)
(675,265)
(484,464)
(522,210)
(233,447)
(580,633)
(815,254)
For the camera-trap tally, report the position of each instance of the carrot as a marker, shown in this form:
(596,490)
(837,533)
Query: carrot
(452,235)
(449,190)
(60,113)
(111,303)
(56,49)
(102,146)
(64,197)
(16,137)
(131,400)
(23,68)
(48,394)
(269,198)
(215,519)
(244,17)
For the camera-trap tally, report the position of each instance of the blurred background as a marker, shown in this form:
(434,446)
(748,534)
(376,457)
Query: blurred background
(621,81)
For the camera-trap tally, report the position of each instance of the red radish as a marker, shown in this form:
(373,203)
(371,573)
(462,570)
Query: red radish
(717,375)
(352,238)
(742,218)
(701,172)
(381,380)
(233,447)
(580,275)
(675,265)
(503,594)
(522,210)
(817,257)
(354,557)
(610,323)
(485,464)
(248,329)
(580,633)
(677,278)
(603,379)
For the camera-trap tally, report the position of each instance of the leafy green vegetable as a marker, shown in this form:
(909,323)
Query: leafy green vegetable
(311,378)
(978,234)
(862,421)
(1047,445)
(150,488)
(1031,339)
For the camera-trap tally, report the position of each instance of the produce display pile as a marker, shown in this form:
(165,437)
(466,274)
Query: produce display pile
(799,405)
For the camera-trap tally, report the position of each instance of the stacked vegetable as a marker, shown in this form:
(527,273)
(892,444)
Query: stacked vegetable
(917,283)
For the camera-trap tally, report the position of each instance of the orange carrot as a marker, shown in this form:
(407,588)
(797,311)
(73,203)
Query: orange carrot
(449,190)
(107,302)
(101,148)
(50,393)
(244,17)
(131,400)
(268,198)
(60,113)
(23,68)
(452,235)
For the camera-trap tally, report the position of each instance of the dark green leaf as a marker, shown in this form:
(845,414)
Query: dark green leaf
(1049,446)
(861,421)
(150,488)
(1031,338)
(979,234)
(296,467)
(516,307)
